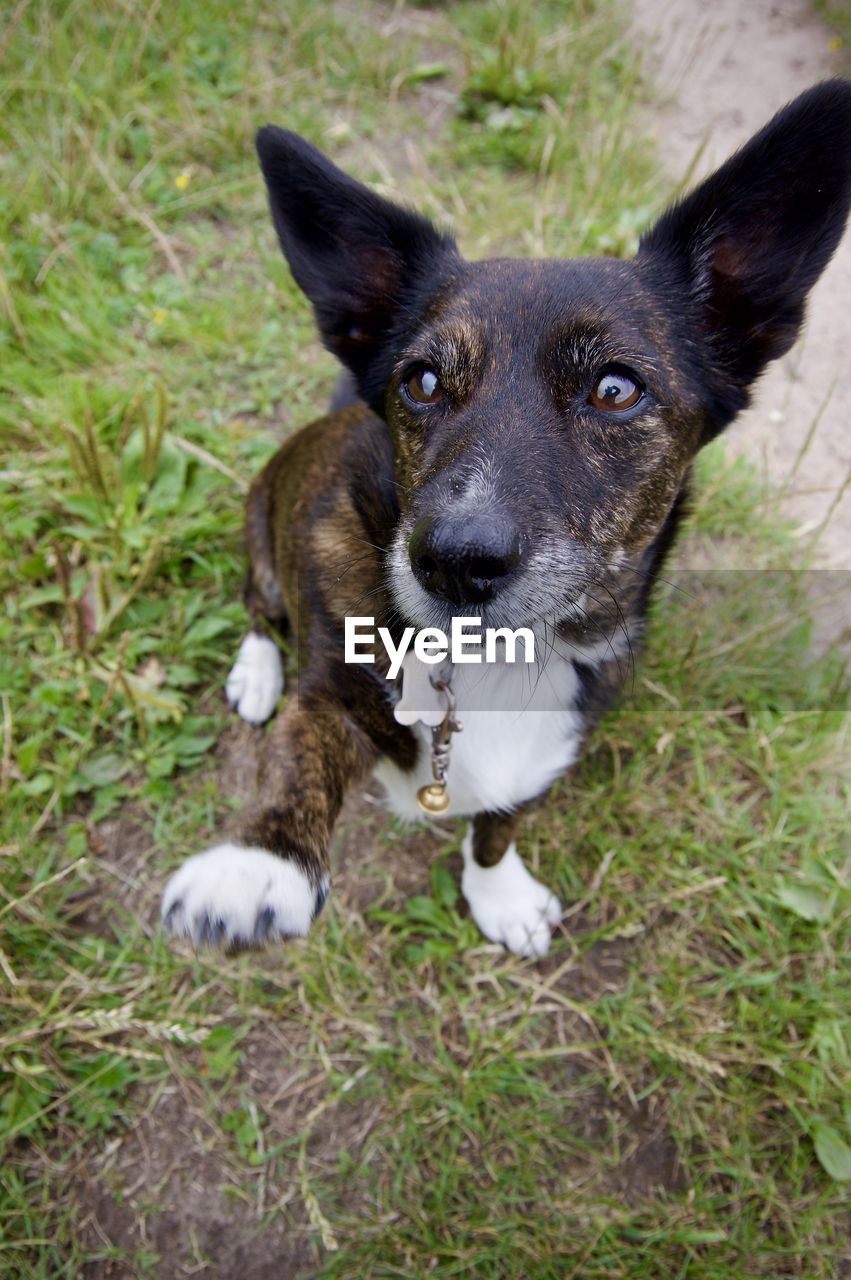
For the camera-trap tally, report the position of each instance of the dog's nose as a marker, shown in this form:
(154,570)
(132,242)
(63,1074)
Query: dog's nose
(464,558)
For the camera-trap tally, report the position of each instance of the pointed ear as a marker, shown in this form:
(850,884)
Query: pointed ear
(750,242)
(361,260)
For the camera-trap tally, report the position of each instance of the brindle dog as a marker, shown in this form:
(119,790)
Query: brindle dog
(515,446)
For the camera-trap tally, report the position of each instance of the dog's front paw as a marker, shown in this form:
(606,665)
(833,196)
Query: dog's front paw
(233,896)
(508,904)
(256,679)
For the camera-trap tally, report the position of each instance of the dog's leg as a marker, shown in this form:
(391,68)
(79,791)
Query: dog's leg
(507,903)
(256,680)
(273,880)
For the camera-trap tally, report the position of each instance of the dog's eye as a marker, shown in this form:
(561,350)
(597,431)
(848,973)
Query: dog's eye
(615,391)
(424,387)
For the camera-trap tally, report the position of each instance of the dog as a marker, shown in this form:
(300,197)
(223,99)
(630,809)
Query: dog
(511,443)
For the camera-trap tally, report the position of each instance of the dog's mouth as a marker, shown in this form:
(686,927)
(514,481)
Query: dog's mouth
(518,586)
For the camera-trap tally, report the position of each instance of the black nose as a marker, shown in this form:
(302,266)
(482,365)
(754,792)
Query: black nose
(464,558)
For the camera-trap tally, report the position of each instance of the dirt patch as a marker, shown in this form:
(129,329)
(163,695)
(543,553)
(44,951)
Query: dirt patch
(375,854)
(649,1163)
(120,849)
(168,1189)
(237,760)
(721,71)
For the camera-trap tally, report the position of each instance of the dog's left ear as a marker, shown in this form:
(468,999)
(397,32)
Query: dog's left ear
(362,260)
(750,242)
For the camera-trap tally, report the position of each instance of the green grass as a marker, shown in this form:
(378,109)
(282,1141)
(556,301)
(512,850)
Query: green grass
(666,1095)
(837,14)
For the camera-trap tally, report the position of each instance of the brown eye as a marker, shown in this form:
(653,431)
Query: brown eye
(615,391)
(424,387)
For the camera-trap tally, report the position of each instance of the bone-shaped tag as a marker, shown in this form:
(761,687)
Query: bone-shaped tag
(419,700)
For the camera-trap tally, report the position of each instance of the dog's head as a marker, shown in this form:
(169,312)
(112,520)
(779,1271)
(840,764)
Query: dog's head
(544,413)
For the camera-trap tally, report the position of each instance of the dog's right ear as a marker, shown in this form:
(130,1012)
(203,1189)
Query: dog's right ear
(360,259)
(750,242)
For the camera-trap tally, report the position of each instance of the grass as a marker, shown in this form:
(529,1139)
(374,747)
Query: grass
(837,15)
(667,1093)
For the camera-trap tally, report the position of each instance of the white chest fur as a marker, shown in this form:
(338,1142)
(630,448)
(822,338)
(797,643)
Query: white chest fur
(521,729)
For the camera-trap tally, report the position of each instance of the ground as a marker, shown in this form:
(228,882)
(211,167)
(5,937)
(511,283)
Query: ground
(721,70)
(666,1093)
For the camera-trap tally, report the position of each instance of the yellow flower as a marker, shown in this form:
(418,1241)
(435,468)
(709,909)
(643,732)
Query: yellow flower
(183,179)
(837,42)
(159,316)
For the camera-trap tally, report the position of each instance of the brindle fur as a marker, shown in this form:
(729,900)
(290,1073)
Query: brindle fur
(492,834)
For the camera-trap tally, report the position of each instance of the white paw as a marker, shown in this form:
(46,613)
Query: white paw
(256,679)
(237,896)
(508,904)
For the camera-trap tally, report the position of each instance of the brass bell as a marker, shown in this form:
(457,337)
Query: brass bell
(433,798)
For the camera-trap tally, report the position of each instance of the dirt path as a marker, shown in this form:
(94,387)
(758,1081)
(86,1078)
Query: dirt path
(721,70)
